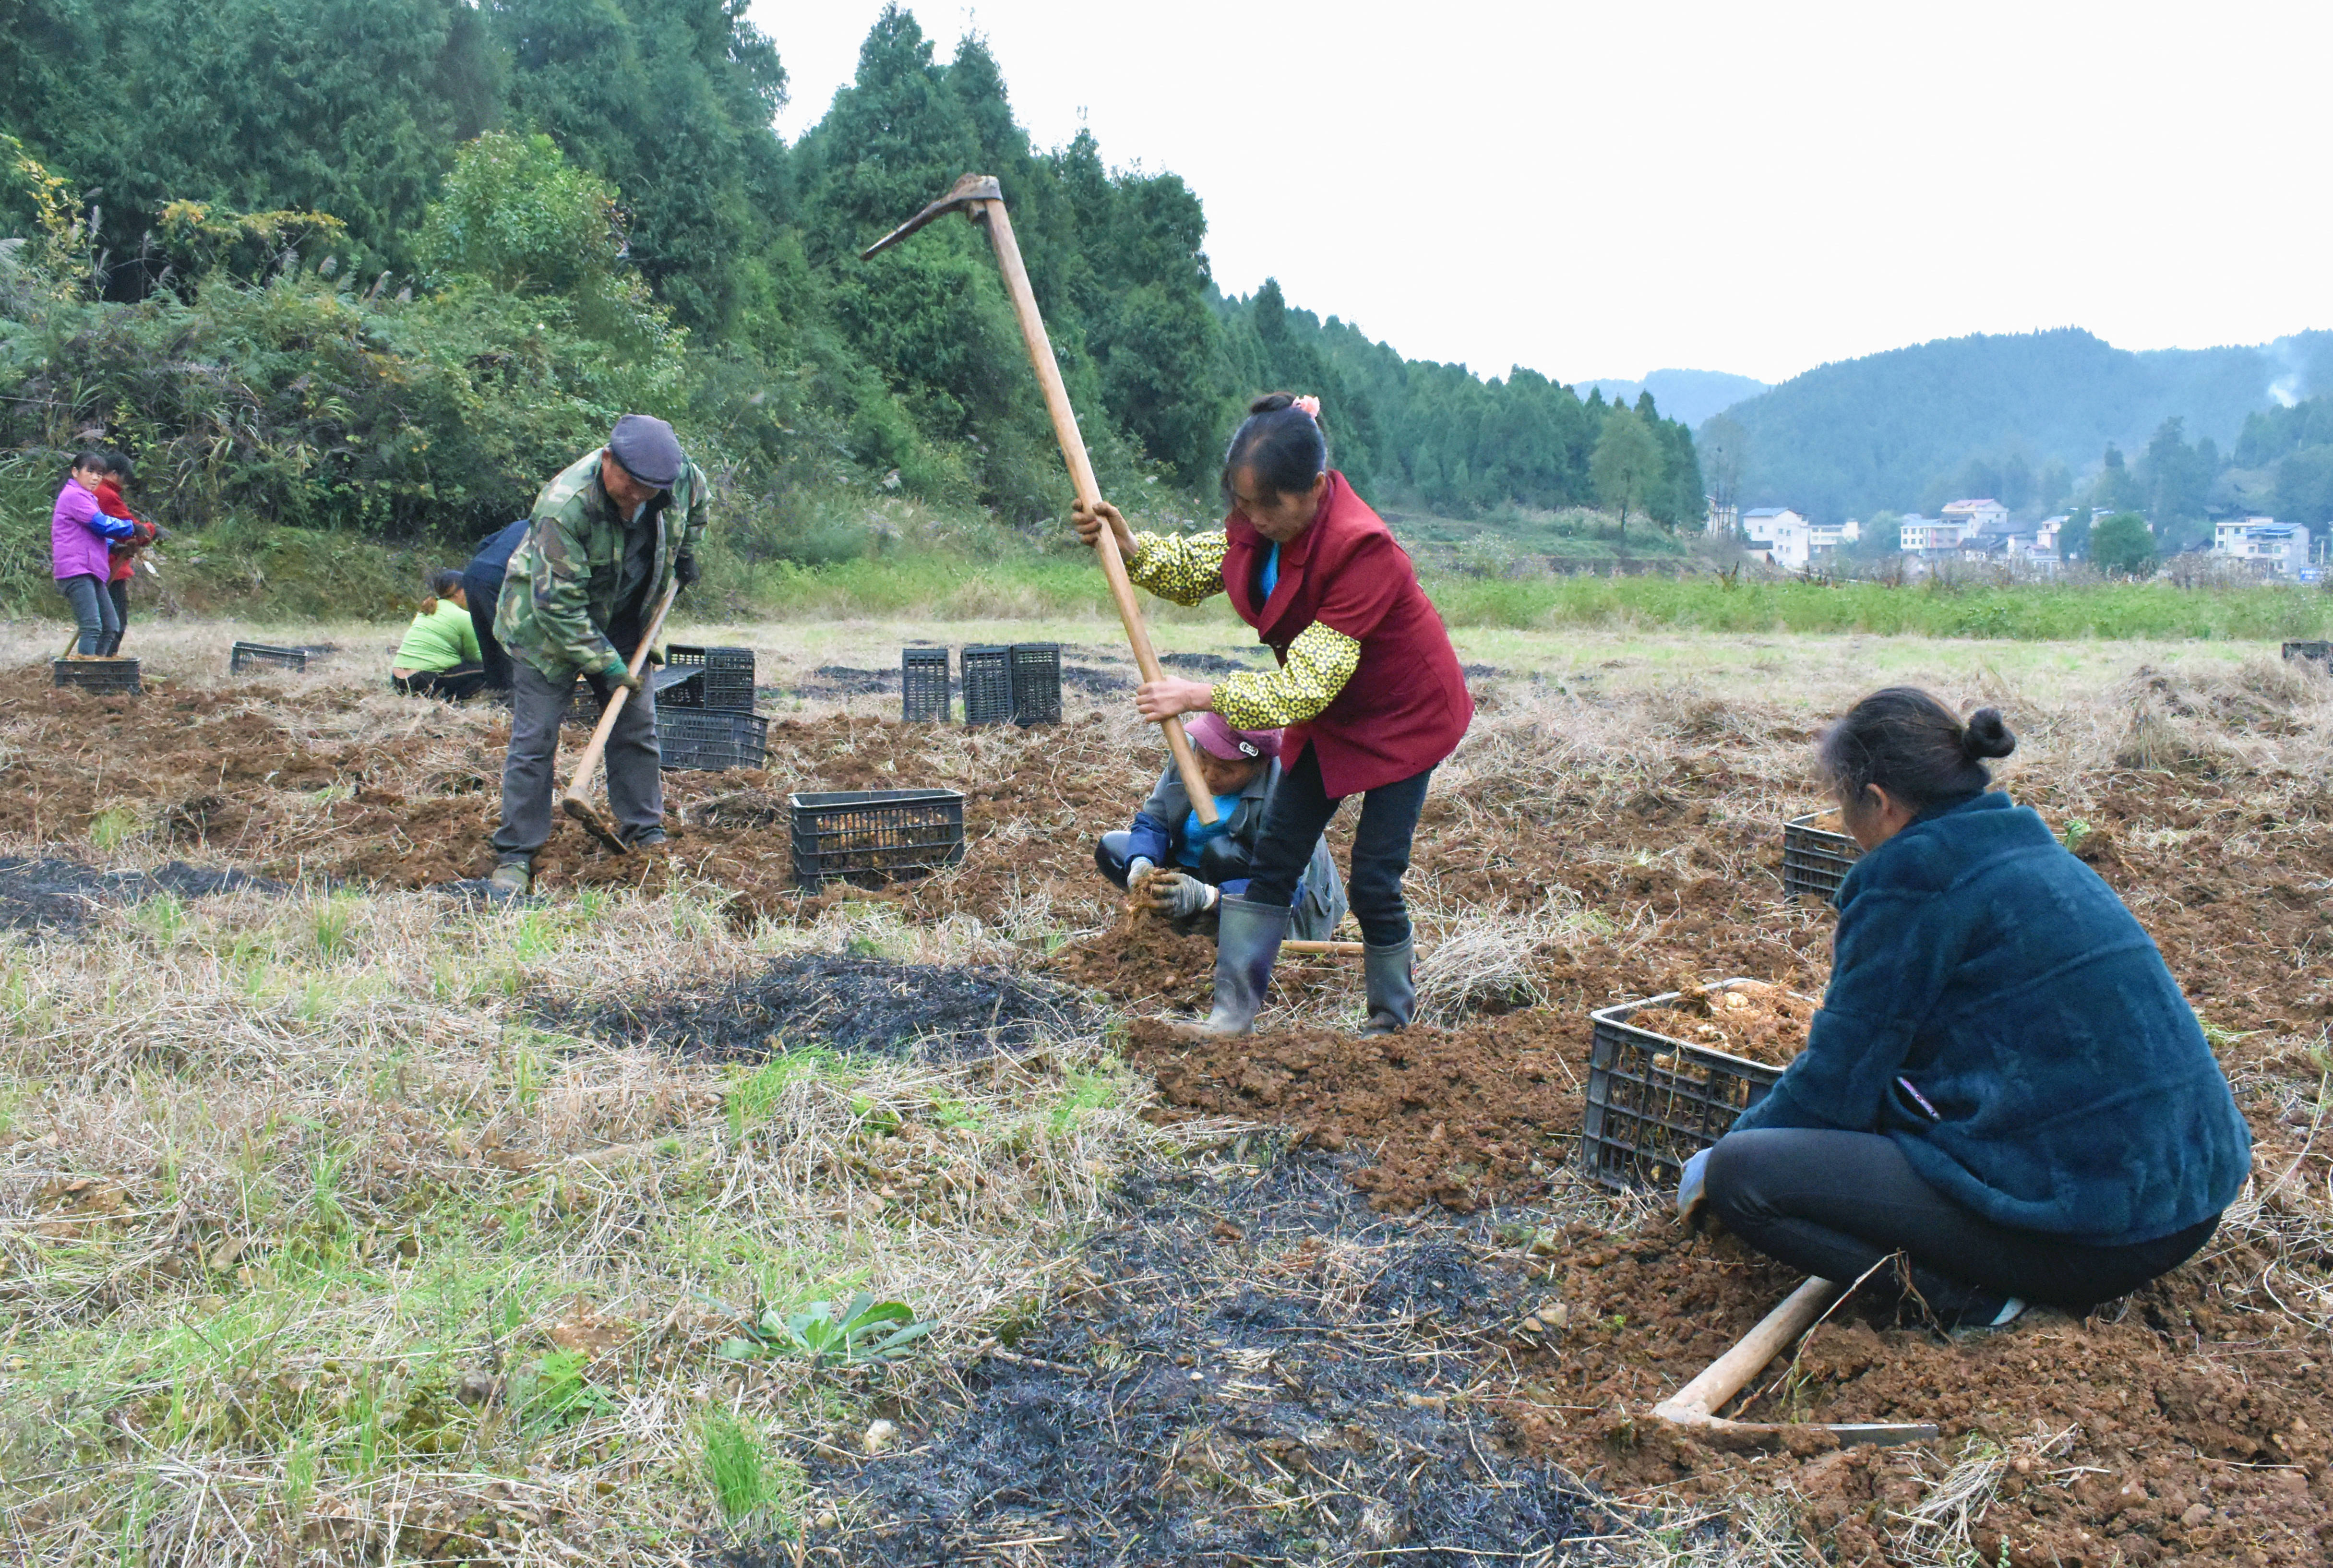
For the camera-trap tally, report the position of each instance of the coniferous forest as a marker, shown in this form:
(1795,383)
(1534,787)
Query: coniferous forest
(388,265)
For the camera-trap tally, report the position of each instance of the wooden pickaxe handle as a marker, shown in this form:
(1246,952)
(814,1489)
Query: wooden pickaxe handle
(1691,1406)
(576,803)
(1324,950)
(992,215)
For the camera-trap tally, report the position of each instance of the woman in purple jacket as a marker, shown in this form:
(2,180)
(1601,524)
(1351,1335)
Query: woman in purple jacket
(79,535)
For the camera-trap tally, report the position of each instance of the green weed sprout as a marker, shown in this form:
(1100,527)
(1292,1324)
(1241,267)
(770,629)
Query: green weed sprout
(860,1332)
(742,1485)
(555,1394)
(2073,834)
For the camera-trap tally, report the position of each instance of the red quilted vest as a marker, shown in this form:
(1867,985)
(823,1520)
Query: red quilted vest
(1406,708)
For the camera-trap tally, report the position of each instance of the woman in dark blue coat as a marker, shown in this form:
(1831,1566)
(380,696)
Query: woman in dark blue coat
(2004,1084)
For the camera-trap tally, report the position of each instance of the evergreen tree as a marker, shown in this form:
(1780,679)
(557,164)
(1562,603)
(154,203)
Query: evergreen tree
(670,101)
(348,107)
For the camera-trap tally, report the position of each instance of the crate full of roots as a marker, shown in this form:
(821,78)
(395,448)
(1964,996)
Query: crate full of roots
(1816,855)
(1667,1077)
(868,837)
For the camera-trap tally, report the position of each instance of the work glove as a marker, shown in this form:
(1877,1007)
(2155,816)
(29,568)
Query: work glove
(1689,1195)
(620,673)
(1179,896)
(1136,869)
(685,572)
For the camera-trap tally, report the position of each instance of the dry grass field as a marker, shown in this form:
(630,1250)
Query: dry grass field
(347,1215)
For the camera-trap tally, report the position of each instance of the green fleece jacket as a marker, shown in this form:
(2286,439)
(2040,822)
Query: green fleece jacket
(441,639)
(559,592)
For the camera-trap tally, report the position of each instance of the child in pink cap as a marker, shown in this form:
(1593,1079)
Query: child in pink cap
(1179,868)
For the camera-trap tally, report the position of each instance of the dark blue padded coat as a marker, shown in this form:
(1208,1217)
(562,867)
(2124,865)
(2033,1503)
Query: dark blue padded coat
(2073,1091)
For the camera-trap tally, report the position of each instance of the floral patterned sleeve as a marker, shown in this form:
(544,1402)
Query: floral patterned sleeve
(1181,568)
(1319,662)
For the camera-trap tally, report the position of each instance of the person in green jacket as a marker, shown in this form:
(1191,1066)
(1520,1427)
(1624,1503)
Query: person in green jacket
(439,654)
(605,539)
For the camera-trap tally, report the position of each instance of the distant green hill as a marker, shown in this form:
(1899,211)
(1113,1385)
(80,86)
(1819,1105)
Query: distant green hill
(1886,430)
(1692,396)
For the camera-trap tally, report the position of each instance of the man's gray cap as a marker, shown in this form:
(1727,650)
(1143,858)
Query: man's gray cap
(649,450)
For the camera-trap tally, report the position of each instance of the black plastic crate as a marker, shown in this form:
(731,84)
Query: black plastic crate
(245,656)
(98,674)
(727,677)
(1815,860)
(1036,683)
(1654,1102)
(870,836)
(987,685)
(2322,652)
(711,740)
(924,684)
(679,687)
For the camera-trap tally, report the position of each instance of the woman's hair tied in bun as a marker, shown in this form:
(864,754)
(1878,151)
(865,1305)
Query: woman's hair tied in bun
(1986,735)
(1281,443)
(1906,743)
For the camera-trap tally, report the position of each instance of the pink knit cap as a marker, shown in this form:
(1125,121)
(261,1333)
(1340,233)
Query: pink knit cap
(1211,735)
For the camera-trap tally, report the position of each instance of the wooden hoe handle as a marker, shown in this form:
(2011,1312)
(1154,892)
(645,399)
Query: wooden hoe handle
(1691,1406)
(576,803)
(991,215)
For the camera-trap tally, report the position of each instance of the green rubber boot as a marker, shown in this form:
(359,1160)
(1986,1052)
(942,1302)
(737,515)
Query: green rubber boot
(1247,943)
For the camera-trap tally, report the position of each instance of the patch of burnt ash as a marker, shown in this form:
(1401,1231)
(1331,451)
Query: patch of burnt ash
(1259,1368)
(1206,663)
(938,1012)
(65,895)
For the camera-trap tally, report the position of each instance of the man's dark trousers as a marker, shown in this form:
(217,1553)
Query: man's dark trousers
(635,785)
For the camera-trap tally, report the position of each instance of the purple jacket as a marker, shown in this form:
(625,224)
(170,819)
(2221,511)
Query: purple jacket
(78,533)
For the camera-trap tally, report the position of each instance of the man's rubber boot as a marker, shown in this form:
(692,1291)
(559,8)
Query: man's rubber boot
(1247,943)
(512,877)
(1392,978)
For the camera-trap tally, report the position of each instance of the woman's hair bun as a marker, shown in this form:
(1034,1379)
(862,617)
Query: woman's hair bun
(1986,735)
(1272,402)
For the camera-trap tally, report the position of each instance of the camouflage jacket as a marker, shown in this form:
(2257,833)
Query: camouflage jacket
(559,592)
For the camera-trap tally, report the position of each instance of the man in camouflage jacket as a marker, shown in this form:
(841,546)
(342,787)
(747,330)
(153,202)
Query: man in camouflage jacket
(605,539)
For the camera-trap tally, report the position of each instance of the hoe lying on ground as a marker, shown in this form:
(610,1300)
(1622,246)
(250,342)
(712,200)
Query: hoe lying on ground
(1691,1405)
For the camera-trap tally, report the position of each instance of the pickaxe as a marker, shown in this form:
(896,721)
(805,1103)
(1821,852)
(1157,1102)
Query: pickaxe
(979,198)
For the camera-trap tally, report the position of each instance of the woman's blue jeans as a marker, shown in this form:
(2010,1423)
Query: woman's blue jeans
(93,608)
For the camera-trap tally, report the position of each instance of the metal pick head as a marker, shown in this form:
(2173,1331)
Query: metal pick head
(971,188)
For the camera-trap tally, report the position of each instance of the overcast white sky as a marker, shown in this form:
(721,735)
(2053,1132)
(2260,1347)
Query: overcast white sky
(1609,188)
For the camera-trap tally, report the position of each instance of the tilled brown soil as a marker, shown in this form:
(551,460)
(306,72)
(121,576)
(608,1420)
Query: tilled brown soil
(2188,1424)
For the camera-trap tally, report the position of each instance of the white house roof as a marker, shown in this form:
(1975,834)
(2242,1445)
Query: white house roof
(1766,511)
(1979,501)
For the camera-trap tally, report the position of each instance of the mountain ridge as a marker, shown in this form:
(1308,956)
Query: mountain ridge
(1853,437)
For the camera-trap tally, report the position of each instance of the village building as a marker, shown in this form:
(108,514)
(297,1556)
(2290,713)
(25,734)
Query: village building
(1919,536)
(2281,548)
(1976,517)
(1779,536)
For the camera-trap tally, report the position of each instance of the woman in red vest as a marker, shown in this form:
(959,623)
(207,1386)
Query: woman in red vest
(1368,690)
